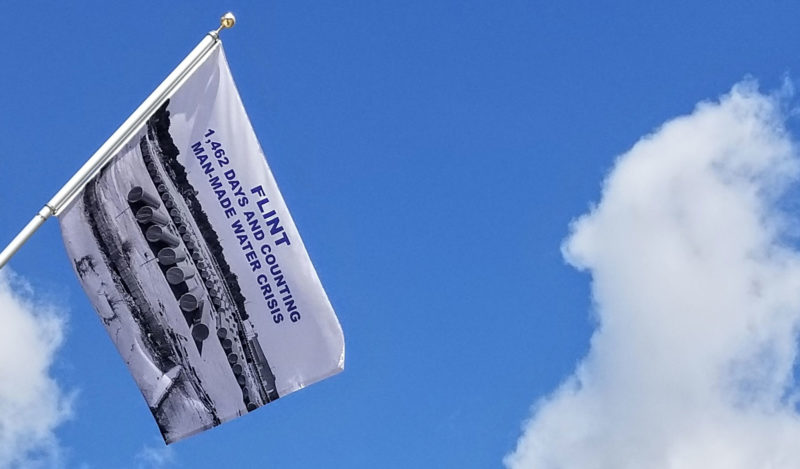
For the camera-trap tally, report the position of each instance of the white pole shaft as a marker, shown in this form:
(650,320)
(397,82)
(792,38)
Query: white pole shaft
(118,139)
(23,235)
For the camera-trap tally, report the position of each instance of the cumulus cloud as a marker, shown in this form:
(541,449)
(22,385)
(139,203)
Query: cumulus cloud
(32,404)
(696,291)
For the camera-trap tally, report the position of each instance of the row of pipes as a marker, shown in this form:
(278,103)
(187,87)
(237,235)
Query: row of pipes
(172,248)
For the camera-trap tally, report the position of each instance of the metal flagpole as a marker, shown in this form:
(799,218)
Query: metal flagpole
(119,138)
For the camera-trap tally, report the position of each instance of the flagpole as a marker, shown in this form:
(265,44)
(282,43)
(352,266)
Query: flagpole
(119,138)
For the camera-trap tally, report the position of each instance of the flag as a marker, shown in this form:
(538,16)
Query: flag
(191,259)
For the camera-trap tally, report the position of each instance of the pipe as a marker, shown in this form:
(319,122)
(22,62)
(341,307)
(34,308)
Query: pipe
(158,233)
(137,195)
(169,202)
(176,216)
(176,275)
(169,256)
(190,301)
(147,215)
(200,332)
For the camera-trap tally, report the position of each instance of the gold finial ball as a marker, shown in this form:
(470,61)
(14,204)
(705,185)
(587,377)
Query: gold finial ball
(227,20)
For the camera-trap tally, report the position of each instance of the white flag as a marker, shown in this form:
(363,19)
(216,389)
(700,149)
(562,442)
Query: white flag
(188,253)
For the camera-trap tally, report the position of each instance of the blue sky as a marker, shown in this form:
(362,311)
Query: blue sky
(433,155)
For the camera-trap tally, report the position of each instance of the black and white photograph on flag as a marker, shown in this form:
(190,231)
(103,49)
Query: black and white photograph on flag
(188,253)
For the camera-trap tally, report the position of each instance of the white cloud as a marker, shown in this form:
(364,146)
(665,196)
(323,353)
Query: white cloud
(158,455)
(32,404)
(697,298)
